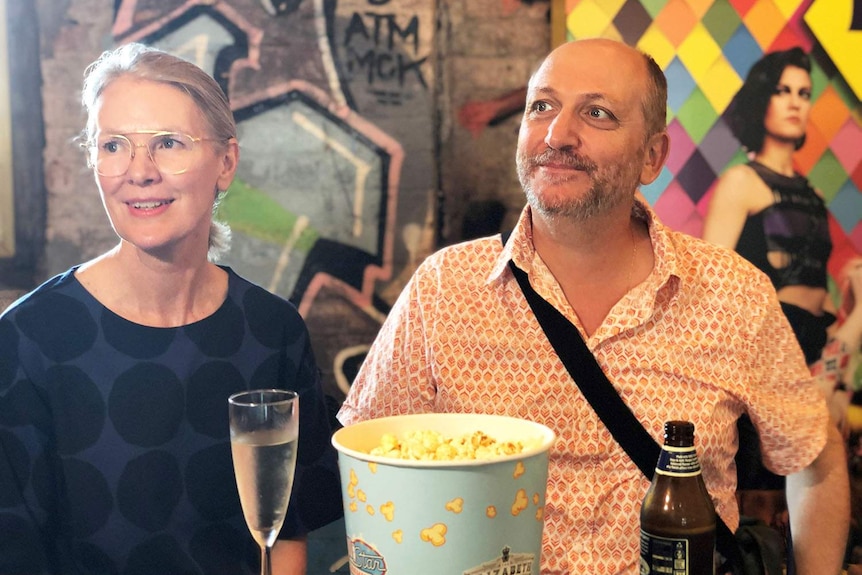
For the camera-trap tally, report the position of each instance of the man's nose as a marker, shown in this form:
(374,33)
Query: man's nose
(562,132)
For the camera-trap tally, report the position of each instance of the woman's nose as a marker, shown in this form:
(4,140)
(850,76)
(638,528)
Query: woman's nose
(797,99)
(142,167)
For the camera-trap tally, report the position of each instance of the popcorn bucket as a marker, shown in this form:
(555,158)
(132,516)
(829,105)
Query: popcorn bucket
(463,517)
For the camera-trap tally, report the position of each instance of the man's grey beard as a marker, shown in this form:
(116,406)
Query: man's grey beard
(594,203)
(602,196)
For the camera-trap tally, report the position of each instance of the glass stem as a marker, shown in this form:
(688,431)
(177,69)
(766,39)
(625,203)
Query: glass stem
(265,560)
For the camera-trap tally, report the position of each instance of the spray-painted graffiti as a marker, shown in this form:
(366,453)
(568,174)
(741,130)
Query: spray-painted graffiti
(384,49)
(313,204)
(381,62)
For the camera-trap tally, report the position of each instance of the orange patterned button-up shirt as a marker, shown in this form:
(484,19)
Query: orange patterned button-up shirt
(703,338)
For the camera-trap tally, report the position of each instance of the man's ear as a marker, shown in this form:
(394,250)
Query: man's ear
(657,150)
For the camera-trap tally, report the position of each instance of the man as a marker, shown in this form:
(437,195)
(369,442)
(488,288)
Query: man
(684,330)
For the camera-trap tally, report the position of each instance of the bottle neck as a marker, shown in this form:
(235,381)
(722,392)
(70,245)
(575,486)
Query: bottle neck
(678,462)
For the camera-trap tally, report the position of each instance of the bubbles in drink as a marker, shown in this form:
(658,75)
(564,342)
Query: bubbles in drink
(264,464)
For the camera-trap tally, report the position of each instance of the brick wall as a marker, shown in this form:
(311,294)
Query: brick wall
(486,51)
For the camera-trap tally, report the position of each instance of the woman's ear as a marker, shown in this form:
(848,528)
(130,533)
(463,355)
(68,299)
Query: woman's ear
(229,161)
(657,150)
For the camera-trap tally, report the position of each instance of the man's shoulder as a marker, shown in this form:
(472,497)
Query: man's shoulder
(703,259)
(475,254)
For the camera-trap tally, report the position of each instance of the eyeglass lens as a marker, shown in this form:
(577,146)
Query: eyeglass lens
(171,152)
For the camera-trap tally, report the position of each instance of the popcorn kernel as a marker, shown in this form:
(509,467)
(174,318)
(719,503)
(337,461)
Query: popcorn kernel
(429,445)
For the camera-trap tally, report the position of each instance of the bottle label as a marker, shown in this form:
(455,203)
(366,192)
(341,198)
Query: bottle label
(663,555)
(678,462)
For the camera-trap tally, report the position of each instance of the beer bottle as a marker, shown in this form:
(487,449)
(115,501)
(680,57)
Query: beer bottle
(678,517)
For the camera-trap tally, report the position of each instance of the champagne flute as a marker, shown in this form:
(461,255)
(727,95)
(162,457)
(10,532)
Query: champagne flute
(264,429)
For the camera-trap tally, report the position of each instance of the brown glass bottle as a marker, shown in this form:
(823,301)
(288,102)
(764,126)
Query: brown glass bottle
(677,516)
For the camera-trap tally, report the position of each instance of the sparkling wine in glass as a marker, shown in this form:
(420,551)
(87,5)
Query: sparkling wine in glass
(264,429)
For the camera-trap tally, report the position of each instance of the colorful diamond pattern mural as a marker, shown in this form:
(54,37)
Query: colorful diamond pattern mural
(706,48)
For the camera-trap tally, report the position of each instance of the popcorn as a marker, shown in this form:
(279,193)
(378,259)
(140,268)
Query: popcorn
(520,502)
(456,505)
(519,470)
(429,445)
(388,511)
(435,535)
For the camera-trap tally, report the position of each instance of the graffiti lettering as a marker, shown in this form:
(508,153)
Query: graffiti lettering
(381,49)
(385,66)
(383,23)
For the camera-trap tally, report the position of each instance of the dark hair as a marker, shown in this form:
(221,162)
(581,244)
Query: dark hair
(747,110)
(655,100)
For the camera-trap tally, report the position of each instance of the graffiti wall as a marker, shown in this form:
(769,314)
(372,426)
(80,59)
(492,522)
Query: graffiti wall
(334,110)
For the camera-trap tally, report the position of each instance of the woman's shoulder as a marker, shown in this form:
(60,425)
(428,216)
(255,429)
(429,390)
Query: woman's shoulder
(741,185)
(63,284)
(258,303)
(738,176)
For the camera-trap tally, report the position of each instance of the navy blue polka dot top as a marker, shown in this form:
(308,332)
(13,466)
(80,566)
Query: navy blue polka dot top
(114,440)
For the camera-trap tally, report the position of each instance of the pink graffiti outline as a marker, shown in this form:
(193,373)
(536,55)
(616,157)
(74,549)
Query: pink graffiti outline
(361,298)
(125,22)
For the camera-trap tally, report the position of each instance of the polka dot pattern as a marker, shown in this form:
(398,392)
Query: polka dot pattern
(269,370)
(42,479)
(137,341)
(115,430)
(267,332)
(217,547)
(216,496)
(80,409)
(13,408)
(48,327)
(161,554)
(22,555)
(146,405)
(95,559)
(208,386)
(8,340)
(149,489)
(226,344)
(93,502)
(17,465)
(702,338)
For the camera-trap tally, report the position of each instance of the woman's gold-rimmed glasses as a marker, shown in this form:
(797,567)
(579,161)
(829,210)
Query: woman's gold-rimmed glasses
(172,152)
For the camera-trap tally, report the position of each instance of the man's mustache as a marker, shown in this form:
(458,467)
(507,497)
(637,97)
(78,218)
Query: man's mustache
(562,158)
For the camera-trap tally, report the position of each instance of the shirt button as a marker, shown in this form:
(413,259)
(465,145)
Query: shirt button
(578,547)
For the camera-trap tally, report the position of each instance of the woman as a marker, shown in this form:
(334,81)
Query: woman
(773,217)
(114,447)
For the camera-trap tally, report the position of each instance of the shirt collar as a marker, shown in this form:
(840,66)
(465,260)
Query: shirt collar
(665,267)
(519,247)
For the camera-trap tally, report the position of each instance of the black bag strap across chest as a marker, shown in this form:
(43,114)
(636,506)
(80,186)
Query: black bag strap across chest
(594,384)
